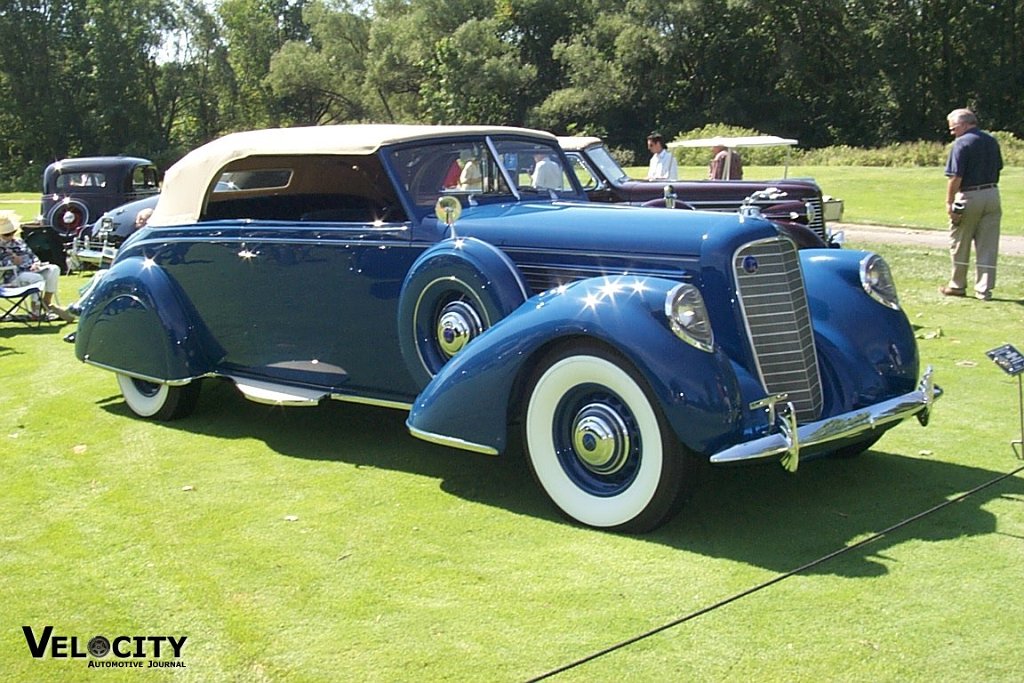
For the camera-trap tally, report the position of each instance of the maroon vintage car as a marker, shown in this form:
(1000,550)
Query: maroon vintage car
(790,202)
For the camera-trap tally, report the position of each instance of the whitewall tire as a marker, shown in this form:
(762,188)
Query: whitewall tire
(158,401)
(598,444)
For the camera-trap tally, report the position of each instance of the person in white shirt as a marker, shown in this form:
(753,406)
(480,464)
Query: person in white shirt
(547,174)
(663,163)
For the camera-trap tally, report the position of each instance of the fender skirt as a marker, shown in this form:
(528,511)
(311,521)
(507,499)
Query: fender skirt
(472,400)
(136,321)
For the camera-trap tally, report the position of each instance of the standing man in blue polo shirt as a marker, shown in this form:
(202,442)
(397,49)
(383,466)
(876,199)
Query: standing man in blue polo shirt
(972,204)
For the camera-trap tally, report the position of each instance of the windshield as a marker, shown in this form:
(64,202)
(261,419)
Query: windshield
(608,166)
(536,168)
(470,171)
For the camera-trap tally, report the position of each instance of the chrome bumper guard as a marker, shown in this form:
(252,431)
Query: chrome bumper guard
(787,442)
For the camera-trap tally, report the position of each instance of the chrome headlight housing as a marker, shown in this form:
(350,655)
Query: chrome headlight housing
(876,278)
(688,317)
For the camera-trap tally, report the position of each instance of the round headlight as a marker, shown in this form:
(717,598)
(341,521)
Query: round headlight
(688,317)
(877,281)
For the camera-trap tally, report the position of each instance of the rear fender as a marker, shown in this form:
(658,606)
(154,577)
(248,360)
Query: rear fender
(137,322)
(471,401)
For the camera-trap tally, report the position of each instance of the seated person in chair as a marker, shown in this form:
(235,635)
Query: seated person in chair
(21,267)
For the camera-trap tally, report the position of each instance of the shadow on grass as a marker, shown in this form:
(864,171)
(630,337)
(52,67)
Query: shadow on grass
(758,515)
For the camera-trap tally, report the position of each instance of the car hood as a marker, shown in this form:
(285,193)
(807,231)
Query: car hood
(716,190)
(610,229)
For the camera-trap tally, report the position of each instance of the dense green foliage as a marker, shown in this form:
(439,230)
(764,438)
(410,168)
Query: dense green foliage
(157,78)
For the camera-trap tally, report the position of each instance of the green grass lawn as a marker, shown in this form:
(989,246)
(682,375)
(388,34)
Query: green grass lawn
(326,543)
(25,204)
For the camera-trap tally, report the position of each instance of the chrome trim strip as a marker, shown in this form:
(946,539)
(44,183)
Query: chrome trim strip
(349,398)
(366,400)
(257,239)
(144,378)
(451,441)
(787,446)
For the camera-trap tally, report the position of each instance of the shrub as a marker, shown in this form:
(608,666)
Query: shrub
(624,157)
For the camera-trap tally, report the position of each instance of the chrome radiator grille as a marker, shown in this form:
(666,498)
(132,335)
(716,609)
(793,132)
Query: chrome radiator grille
(771,293)
(817,222)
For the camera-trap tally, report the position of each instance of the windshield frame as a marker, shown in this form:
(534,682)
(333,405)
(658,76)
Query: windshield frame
(426,170)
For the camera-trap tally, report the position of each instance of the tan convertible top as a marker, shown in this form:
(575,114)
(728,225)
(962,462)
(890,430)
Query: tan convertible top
(576,143)
(188,182)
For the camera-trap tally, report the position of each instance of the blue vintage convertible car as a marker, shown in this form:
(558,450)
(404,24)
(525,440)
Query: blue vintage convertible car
(459,274)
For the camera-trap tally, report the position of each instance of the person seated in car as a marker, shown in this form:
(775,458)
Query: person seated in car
(21,267)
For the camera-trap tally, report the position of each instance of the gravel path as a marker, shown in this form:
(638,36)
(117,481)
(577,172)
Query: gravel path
(1009,245)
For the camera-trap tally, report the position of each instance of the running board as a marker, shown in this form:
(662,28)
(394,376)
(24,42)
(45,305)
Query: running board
(278,394)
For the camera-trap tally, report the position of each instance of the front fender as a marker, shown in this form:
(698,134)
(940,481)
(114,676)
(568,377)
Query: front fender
(137,322)
(866,351)
(469,403)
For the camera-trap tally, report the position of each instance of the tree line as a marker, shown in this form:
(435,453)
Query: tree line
(157,78)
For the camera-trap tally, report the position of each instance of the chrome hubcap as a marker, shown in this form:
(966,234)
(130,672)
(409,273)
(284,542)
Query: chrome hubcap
(457,325)
(600,439)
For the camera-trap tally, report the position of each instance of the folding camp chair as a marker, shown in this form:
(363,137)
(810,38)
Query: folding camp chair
(21,304)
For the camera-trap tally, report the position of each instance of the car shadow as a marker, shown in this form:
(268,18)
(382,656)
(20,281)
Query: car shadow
(758,515)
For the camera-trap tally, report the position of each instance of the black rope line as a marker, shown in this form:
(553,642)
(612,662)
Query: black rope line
(771,582)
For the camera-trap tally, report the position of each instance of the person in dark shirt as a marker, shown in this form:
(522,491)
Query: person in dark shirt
(726,164)
(972,204)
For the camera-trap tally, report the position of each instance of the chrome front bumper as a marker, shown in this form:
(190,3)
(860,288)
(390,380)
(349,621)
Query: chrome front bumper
(790,438)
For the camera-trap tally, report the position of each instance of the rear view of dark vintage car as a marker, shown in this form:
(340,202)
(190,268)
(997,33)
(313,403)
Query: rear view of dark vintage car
(76,191)
(460,274)
(797,206)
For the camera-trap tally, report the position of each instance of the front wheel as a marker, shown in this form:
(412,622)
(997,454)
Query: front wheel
(599,445)
(158,401)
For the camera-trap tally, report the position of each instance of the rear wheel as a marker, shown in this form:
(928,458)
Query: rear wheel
(599,445)
(158,401)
